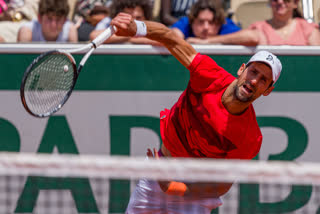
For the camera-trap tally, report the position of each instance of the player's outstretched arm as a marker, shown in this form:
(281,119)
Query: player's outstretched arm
(195,190)
(183,51)
(191,190)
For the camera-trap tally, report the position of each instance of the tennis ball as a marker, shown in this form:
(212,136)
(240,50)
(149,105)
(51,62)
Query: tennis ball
(66,68)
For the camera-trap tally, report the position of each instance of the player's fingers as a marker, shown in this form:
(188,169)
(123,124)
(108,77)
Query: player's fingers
(121,14)
(149,153)
(156,155)
(121,19)
(119,24)
(123,28)
(125,20)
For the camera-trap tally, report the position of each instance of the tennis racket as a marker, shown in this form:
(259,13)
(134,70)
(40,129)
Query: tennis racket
(50,79)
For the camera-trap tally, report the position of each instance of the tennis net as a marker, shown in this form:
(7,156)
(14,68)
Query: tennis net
(43,183)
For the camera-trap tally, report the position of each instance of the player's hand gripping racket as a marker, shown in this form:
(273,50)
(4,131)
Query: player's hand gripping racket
(49,80)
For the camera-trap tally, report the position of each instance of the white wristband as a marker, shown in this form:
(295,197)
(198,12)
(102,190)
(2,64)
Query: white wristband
(141,28)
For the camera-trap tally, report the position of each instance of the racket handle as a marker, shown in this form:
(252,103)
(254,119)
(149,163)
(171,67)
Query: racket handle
(103,36)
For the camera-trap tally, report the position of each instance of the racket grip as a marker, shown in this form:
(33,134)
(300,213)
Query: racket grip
(103,36)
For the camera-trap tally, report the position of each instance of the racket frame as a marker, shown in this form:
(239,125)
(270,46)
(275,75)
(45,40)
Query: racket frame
(28,72)
(92,46)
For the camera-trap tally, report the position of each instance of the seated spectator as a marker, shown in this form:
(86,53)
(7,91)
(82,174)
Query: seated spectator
(88,14)
(139,9)
(52,24)
(286,27)
(206,19)
(172,10)
(15,13)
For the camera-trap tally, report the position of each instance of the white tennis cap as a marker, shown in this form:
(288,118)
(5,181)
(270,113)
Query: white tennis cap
(270,59)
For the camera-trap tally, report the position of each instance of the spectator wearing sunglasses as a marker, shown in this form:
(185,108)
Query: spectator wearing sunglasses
(286,27)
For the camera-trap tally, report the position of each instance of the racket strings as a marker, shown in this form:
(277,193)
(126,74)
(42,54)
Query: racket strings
(48,83)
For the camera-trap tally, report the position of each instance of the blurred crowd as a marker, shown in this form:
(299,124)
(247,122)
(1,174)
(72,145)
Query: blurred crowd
(196,21)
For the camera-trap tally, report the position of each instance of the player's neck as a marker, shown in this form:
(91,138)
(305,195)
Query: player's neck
(233,105)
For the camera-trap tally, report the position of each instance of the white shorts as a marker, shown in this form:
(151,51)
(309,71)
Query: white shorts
(149,198)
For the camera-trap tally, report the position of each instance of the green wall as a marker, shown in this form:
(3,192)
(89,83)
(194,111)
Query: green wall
(159,72)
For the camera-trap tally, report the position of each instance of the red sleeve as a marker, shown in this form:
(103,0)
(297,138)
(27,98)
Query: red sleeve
(206,75)
(257,149)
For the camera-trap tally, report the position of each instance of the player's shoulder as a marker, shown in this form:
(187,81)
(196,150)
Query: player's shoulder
(204,62)
(205,59)
(200,60)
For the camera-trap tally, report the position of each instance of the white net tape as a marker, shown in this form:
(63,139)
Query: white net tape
(121,167)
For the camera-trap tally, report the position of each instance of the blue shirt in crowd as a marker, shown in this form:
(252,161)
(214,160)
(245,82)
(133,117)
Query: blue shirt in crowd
(184,25)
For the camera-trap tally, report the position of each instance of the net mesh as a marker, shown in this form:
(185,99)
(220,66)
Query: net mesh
(94,184)
(48,82)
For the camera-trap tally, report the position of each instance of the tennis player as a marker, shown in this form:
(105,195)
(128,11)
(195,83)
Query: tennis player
(213,118)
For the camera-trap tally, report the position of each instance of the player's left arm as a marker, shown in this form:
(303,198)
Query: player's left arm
(207,189)
(195,190)
(192,190)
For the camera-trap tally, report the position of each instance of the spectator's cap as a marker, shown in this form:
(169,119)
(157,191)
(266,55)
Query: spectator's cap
(270,59)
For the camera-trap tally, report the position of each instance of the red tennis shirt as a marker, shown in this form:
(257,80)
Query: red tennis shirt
(198,125)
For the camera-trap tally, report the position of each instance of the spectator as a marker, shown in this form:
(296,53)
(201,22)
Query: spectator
(88,14)
(286,27)
(139,9)
(84,7)
(172,10)
(52,24)
(206,19)
(14,15)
